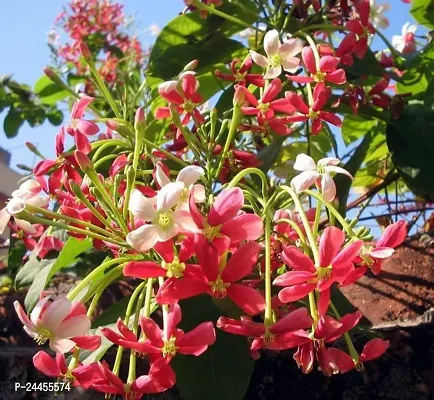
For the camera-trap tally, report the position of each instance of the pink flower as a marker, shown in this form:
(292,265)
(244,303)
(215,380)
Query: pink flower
(319,173)
(226,220)
(278,336)
(327,71)
(334,264)
(278,55)
(79,127)
(58,322)
(165,343)
(314,113)
(218,278)
(266,107)
(240,73)
(55,368)
(375,348)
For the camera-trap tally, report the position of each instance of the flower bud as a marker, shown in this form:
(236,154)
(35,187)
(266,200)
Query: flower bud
(85,52)
(239,96)
(49,72)
(83,161)
(140,116)
(34,149)
(191,66)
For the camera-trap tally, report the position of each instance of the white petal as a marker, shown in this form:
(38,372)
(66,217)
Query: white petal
(291,48)
(16,205)
(141,206)
(169,195)
(23,316)
(55,313)
(189,175)
(32,333)
(74,326)
(303,162)
(404,29)
(61,346)
(290,64)
(4,219)
(144,238)
(38,201)
(167,233)
(26,226)
(259,59)
(382,252)
(271,42)
(338,170)
(185,221)
(397,41)
(29,188)
(328,188)
(199,194)
(167,87)
(36,312)
(161,177)
(328,161)
(273,72)
(304,181)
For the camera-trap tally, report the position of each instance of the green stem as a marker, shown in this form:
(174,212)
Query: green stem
(249,171)
(165,152)
(317,218)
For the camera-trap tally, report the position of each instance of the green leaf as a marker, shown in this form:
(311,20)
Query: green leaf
(411,143)
(38,284)
(48,91)
(111,315)
(423,12)
(224,370)
(12,123)
(354,127)
(27,274)
(366,66)
(55,117)
(71,250)
(269,154)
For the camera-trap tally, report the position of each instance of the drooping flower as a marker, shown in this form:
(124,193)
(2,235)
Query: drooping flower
(319,173)
(27,193)
(165,223)
(334,265)
(58,322)
(328,69)
(218,278)
(241,73)
(279,56)
(315,112)
(405,43)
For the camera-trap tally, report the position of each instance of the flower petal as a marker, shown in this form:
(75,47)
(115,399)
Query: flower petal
(303,162)
(297,292)
(248,299)
(330,244)
(61,346)
(45,364)
(328,187)
(374,349)
(143,238)
(304,181)
(76,326)
(347,254)
(243,227)
(297,260)
(295,320)
(168,196)
(271,42)
(143,269)
(241,263)
(190,174)
(55,313)
(202,336)
(259,59)
(226,206)
(141,206)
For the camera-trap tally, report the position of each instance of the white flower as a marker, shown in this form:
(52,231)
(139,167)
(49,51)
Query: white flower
(165,223)
(187,176)
(377,14)
(27,193)
(278,55)
(405,43)
(154,30)
(320,174)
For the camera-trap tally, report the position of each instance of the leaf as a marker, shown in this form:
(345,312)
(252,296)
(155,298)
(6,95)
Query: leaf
(26,275)
(55,117)
(71,250)
(269,154)
(423,12)
(38,284)
(224,370)
(366,66)
(17,250)
(111,315)
(354,127)
(12,123)
(411,144)
(48,91)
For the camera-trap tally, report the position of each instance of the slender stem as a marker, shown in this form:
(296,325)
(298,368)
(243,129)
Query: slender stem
(249,171)
(165,152)
(317,217)
(315,51)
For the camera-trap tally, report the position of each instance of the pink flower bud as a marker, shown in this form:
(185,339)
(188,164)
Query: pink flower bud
(83,160)
(84,50)
(140,116)
(239,96)
(191,66)
(113,125)
(49,72)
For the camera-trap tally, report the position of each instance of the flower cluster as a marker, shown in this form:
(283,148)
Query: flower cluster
(192,214)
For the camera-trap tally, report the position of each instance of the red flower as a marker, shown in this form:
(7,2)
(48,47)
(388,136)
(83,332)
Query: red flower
(375,348)
(327,72)
(55,368)
(266,107)
(218,278)
(334,264)
(184,96)
(321,94)
(377,95)
(240,73)
(278,336)
(226,220)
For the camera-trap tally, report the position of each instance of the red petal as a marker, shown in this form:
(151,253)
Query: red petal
(295,320)
(144,269)
(241,263)
(342,359)
(243,227)
(347,255)
(244,327)
(374,349)
(152,331)
(207,256)
(393,235)
(226,206)
(89,342)
(201,336)
(293,278)
(294,258)
(309,59)
(179,289)
(329,245)
(248,299)
(297,292)
(45,364)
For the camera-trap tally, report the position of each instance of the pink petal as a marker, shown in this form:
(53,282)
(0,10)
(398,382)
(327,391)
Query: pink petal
(243,227)
(143,239)
(248,299)
(295,320)
(328,187)
(291,48)
(304,181)
(75,326)
(299,104)
(309,59)
(168,196)
(23,316)
(373,349)
(324,301)
(244,327)
(79,107)
(241,263)
(296,259)
(190,174)
(4,219)
(293,293)
(201,336)
(292,278)
(152,331)
(61,346)
(55,313)
(87,342)
(273,72)
(330,244)
(272,90)
(86,127)
(226,206)
(143,269)
(141,206)
(207,257)
(271,42)
(45,364)
(381,252)
(393,235)
(259,59)
(185,222)
(347,254)
(337,77)
(179,289)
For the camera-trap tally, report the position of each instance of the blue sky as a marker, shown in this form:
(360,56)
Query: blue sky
(24,26)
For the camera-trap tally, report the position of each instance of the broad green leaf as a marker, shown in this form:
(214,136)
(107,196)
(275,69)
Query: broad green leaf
(27,273)
(423,12)
(269,154)
(55,117)
(48,91)
(411,143)
(354,127)
(224,370)
(366,66)
(12,123)
(38,284)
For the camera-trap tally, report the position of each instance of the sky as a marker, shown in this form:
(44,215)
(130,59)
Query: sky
(24,26)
